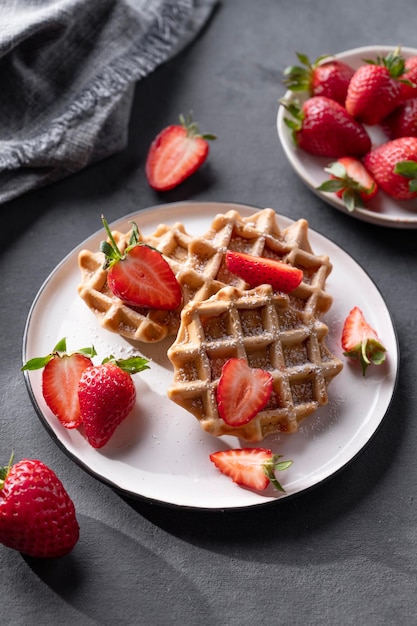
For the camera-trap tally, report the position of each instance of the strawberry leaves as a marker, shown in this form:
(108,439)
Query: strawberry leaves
(59,350)
(408,169)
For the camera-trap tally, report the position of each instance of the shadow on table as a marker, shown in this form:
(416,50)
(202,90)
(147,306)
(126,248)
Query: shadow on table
(112,578)
(329,508)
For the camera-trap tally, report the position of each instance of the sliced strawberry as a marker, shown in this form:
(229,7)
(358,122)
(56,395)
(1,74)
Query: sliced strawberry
(60,378)
(250,467)
(140,276)
(176,153)
(242,391)
(360,341)
(350,181)
(257,270)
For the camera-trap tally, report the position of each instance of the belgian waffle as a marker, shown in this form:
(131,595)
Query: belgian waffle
(113,315)
(261,327)
(198,263)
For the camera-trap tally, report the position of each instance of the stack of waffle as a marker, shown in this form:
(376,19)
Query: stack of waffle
(221,317)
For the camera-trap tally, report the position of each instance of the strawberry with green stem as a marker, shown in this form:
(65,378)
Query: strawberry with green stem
(61,372)
(176,153)
(326,76)
(393,165)
(140,276)
(107,395)
(253,468)
(350,181)
(255,271)
(375,89)
(37,516)
(323,127)
(361,342)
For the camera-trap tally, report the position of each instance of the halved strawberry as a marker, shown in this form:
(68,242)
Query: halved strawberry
(257,271)
(60,378)
(350,181)
(242,391)
(360,341)
(176,153)
(250,467)
(140,276)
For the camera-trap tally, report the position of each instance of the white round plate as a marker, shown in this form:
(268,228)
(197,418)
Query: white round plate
(382,210)
(160,452)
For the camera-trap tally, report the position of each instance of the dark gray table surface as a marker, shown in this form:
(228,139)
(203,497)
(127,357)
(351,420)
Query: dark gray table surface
(346,551)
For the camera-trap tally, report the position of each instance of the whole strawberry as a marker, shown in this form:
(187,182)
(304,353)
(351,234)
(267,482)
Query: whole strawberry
(409,85)
(37,516)
(402,122)
(107,395)
(393,165)
(375,89)
(60,376)
(323,127)
(325,76)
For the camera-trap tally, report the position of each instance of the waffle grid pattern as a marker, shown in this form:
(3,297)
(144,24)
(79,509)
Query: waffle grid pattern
(262,328)
(198,263)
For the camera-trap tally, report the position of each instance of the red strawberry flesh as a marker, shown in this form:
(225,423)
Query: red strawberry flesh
(260,270)
(244,466)
(143,278)
(60,379)
(173,157)
(253,468)
(242,391)
(360,341)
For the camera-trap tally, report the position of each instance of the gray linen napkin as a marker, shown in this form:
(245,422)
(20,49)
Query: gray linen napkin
(68,70)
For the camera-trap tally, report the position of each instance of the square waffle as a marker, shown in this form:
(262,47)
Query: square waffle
(263,328)
(198,263)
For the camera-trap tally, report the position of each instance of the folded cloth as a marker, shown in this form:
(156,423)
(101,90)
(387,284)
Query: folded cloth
(68,70)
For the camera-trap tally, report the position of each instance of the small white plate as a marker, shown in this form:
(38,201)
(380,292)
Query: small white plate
(160,452)
(382,210)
